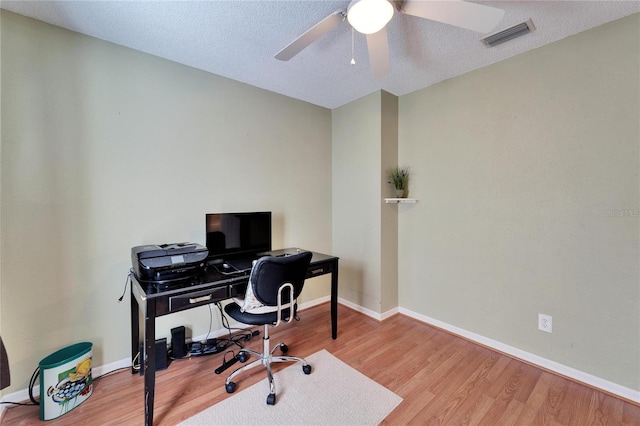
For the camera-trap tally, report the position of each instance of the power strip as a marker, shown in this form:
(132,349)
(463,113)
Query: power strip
(213,346)
(210,347)
(226,364)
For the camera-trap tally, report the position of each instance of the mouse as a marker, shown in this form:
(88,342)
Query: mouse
(226,266)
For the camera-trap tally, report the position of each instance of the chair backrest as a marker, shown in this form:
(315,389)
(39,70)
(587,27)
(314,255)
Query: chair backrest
(270,272)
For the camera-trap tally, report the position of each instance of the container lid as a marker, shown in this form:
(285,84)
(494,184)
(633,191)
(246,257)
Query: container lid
(65,355)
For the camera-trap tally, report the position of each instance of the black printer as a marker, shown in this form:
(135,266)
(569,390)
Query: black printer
(168,263)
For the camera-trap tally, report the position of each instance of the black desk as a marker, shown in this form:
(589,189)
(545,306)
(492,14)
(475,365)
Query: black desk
(154,301)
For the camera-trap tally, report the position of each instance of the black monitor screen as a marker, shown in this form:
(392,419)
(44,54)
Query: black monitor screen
(233,234)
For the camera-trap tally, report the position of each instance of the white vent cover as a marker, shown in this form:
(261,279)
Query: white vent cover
(509,33)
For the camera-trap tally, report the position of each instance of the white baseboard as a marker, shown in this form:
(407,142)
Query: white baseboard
(314,302)
(368,312)
(569,372)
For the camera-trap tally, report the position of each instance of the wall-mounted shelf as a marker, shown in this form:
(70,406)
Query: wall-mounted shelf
(400,200)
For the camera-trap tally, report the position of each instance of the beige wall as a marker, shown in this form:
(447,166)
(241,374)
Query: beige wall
(365,232)
(105,148)
(528,177)
(389,212)
(356,199)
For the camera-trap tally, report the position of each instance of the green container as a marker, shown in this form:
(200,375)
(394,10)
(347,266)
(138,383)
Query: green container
(65,380)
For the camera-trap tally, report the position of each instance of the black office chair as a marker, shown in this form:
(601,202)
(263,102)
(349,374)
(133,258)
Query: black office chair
(268,301)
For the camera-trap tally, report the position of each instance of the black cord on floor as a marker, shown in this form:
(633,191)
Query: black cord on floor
(19,403)
(237,339)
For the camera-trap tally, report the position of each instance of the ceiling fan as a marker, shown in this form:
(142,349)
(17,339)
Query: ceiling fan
(370,17)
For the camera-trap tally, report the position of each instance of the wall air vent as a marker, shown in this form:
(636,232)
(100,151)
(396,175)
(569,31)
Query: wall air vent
(509,33)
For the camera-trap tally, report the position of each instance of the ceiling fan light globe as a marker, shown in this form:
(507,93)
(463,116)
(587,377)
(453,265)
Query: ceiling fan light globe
(369,16)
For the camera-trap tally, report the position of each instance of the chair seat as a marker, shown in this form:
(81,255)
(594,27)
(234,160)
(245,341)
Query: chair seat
(233,310)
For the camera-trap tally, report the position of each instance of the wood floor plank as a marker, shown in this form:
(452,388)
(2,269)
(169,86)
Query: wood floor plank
(461,383)
(510,390)
(553,403)
(443,380)
(475,401)
(576,405)
(630,413)
(507,415)
(535,406)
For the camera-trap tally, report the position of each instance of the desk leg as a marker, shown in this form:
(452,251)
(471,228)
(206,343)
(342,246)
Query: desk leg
(334,301)
(135,330)
(149,359)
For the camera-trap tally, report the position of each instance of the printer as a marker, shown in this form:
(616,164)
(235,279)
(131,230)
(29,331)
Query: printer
(168,263)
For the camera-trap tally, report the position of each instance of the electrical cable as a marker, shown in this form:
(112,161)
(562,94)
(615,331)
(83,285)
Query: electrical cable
(32,383)
(30,404)
(237,338)
(125,285)
(205,347)
(135,366)
(206,339)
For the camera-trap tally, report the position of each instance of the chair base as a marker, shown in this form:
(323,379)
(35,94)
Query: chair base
(266,358)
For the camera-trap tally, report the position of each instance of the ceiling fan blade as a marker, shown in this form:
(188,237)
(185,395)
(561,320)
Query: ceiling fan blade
(311,35)
(378,48)
(472,16)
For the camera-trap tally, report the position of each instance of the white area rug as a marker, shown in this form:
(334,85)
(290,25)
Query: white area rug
(333,394)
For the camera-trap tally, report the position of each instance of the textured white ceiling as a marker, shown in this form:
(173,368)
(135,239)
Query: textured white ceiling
(238,39)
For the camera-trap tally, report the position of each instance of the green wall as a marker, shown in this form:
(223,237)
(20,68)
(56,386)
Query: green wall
(105,148)
(365,232)
(528,177)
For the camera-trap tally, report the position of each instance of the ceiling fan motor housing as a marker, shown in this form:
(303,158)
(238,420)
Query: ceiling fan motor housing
(369,16)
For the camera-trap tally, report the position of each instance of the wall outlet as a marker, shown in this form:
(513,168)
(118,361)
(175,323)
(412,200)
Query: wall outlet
(545,323)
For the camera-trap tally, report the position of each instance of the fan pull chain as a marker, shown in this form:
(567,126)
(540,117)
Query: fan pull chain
(353,37)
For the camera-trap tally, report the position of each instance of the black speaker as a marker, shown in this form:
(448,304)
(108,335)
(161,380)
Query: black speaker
(161,354)
(178,343)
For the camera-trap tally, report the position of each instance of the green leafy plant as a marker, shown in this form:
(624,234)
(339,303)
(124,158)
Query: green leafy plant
(399,178)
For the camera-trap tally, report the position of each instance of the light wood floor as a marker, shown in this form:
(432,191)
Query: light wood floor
(444,380)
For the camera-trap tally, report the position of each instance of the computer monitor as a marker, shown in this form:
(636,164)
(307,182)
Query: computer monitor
(235,235)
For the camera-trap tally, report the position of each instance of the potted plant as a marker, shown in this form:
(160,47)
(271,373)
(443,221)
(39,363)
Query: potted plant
(399,178)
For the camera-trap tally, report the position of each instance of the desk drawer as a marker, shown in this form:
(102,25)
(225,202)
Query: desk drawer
(197,298)
(316,270)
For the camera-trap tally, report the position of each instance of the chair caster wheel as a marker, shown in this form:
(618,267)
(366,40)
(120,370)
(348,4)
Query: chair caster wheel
(243,357)
(284,348)
(230,387)
(306,369)
(271,399)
